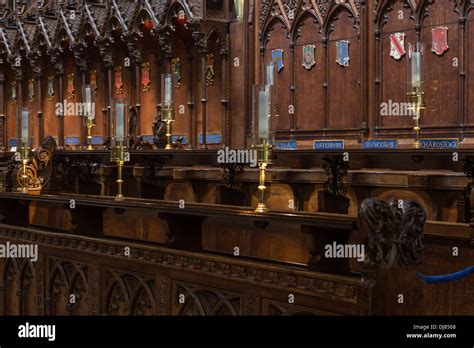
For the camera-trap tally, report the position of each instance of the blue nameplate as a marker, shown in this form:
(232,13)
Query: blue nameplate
(12,142)
(329,145)
(285,145)
(72,141)
(439,143)
(213,138)
(97,140)
(380,144)
(177,136)
(147,138)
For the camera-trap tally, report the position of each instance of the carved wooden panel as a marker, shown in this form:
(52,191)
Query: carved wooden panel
(327,98)
(128,293)
(68,290)
(19,279)
(310,116)
(444,74)
(193,299)
(278,308)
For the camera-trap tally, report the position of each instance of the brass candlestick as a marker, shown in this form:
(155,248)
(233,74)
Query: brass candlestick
(264,158)
(117,155)
(168,117)
(89,124)
(25,160)
(416,98)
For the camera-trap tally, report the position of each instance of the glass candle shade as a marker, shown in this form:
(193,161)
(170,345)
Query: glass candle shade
(415,56)
(167,97)
(262,113)
(24,127)
(120,121)
(88,104)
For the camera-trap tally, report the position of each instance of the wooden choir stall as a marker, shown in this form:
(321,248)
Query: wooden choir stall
(237,157)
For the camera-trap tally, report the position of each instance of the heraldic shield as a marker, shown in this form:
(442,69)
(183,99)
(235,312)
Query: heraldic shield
(342,53)
(397,45)
(277,57)
(308,56)
(440,40)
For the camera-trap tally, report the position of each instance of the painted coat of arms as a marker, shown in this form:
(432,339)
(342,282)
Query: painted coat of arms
(342,53)
(397,45)
(31,90)
(146,82)
(93,80)
(277,57)
(308,56)
(50,87)
(13,91)
(118,85)
(210,70)
(71,90)
(176,71)
(440,40)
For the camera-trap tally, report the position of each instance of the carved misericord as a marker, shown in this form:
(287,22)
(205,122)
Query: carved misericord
(394,231)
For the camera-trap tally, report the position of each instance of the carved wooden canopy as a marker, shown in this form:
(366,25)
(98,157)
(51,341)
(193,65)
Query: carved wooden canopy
(41,28)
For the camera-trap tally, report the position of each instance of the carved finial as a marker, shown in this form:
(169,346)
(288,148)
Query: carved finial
(394,230)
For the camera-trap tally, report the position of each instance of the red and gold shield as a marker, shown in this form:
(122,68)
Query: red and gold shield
(146,82)
(118,81)
(440,40)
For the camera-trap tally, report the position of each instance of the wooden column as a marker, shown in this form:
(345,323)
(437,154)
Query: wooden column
(38,77)
(19,101)
(224,53)
(190,94)
(3,123)
(201,44)
(138,104)
(83,127)
(60,76)
(159,64)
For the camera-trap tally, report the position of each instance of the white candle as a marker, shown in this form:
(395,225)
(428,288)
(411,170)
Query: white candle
(119,122)
(168,100)
(264,111)
(24,126)
(416,69)
(270,74)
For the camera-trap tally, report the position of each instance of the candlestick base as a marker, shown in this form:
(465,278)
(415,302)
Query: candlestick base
(119,198)
(261,208)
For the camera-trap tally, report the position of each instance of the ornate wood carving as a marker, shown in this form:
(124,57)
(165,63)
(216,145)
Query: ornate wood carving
(64,279)
(191,299)
(128,294)
(39,170)
(312,283)
(394,230)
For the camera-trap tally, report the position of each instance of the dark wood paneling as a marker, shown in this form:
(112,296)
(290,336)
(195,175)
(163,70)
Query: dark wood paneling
(309,84)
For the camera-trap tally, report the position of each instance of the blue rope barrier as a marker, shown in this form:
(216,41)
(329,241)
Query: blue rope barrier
(446,278)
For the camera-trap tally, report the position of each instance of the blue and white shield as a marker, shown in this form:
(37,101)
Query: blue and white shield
(277,57)
(342,54)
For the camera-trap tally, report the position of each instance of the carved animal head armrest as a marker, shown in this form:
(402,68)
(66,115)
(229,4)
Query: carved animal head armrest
(394,232)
